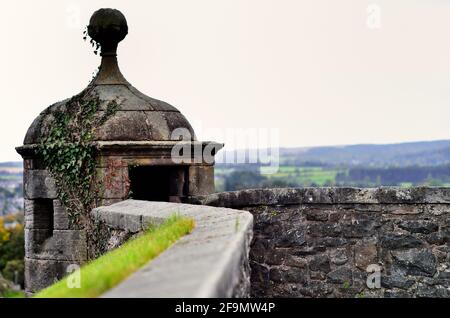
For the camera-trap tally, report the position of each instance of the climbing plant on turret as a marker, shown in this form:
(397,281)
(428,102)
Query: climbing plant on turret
(68,153)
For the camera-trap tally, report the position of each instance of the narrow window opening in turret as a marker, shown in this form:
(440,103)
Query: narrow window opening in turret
(158,183)
(43,215)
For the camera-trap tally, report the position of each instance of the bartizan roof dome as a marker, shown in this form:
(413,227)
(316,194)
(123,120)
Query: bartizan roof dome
(137,117)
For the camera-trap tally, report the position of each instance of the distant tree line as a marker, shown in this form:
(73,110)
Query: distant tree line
(395,175)
(252,179)
(12,248)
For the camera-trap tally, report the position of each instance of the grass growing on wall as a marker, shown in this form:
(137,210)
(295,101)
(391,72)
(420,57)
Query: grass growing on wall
(110,269)
(13,294)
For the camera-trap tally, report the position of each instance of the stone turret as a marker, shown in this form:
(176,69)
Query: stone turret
(142,148)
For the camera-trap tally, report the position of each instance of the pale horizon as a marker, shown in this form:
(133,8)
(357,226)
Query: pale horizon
(313,69)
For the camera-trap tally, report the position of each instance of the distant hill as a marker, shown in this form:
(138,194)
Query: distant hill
(427,153)
(403,164)
(424,153)
(11,164)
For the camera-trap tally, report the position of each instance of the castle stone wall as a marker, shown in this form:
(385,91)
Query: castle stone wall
(212,261)
(51,246)
(330,242)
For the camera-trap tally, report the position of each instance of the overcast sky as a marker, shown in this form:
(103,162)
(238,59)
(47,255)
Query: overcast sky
(324,72)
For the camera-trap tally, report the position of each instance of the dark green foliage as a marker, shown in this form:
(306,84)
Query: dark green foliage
(14,271)
(95,45)
(251,179)
(391,176)
(13,249)
(243,180)
(12,254)
(68,153)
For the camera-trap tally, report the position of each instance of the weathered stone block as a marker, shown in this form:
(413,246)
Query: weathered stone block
(340,276)
(61,217)
(275,256)
(40,274)
(317,275)
(419,262)
(424,291)
(320,263)
(60,245)
(419,226)
(260,278)
(331,241)
(287,275)
(397,293)
(442,254)
(123,221)
(399,241)
(437,209)
(315,289)
(435,238)
(201,180)
(295,261)
(358,228)
(365,254)
(316,215)
(291,238)
(403,209)
(335,217)
(34,239)
(112,182)
(269,229)
(446,234)
(324,230)
(38,184)
(339,256)
(444,275)
(259,250)
(306,250)
(396,281)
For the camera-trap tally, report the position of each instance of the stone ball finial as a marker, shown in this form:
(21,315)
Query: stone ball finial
(108,27)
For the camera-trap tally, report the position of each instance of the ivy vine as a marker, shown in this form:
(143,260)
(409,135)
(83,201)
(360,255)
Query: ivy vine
(95,45)
(68,153)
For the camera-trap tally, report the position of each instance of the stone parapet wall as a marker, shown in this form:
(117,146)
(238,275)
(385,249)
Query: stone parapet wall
(327,242)
(212,261)
(328,195)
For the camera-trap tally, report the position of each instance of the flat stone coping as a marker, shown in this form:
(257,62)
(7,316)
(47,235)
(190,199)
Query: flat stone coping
(325,195)
(135,145)
(154,143)
(205,263)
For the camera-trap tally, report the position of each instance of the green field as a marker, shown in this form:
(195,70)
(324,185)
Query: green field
(306,176)
(291,175)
